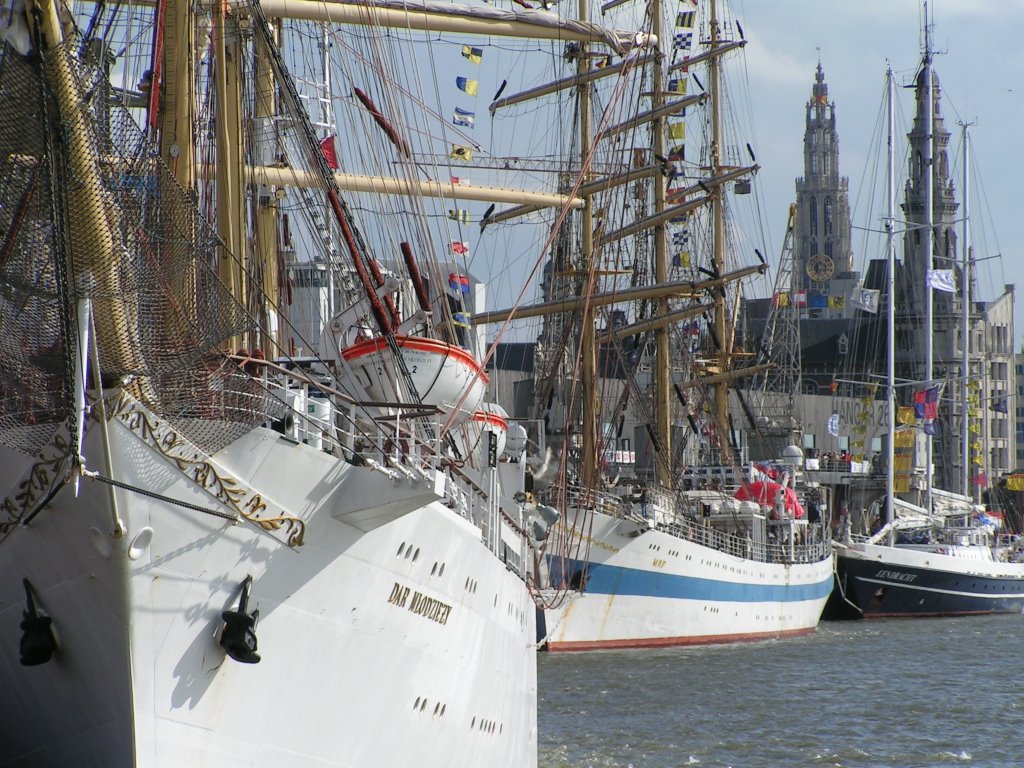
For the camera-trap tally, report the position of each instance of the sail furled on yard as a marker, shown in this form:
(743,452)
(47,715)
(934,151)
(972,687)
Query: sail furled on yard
(88,211)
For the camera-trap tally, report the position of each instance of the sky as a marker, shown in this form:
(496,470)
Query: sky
(980,66)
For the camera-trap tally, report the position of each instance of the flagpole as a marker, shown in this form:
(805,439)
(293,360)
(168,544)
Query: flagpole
(929,264)
(965,311)
(890,310)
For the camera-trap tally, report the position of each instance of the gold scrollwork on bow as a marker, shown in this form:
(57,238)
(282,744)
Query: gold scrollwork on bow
(50,468)
(195,465)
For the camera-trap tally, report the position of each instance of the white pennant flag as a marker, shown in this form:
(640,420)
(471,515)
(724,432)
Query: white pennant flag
(865,298)
(941,280)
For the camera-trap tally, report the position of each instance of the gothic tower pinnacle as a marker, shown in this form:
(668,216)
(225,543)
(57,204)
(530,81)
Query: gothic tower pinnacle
(823,219)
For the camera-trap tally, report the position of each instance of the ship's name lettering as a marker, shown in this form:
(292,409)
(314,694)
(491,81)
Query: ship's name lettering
(429,608)
(593,542)
(896,576)
(421,605)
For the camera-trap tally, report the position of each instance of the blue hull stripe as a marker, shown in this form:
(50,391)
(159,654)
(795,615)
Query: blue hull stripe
(614,580)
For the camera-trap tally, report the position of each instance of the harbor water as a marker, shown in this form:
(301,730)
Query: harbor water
(908,693)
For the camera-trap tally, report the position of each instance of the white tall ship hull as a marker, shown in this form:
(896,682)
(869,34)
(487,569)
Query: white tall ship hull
(646,587)
(392,637)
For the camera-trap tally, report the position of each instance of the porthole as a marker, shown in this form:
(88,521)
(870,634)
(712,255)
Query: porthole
(401,547)
(441,572)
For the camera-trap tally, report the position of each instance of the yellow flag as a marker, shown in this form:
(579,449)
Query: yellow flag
(901,484)
(905,415)
(460,152)
(677,131)
(1015,483)
(901,463)
(836,302)
(904,439)
(978,460)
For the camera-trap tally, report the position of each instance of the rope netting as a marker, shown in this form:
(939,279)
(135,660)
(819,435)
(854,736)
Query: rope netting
(89,211)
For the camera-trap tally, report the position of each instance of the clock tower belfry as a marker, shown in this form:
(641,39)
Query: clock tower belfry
(822,237)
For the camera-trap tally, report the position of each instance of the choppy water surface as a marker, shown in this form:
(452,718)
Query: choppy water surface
(914,693)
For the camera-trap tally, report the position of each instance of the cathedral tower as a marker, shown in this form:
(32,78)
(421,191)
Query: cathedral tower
(823,249)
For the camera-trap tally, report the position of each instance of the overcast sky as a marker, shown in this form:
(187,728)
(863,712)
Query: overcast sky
(981,70)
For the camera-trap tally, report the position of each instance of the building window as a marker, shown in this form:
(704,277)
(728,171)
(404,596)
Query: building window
(827,159)
(828,216)
(814,217)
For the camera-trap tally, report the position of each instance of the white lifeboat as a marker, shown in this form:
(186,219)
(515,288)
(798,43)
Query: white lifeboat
(490,418)
(445,376)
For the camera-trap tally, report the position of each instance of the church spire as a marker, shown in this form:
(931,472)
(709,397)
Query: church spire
(823,219)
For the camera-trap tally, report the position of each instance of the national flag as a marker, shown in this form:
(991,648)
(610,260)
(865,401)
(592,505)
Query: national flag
(677,131)
(677,153)
(460,152)
(677,85)
(459,247)
(999,405)
(865,299)
(682,41)
(800,298)
(941,280)
(931,428)
(464,117)
(467,85)
(836,302)
(681,259)
(462,319)
(459,214)
(685,19)
(980,479)
(926,403)
(905,415)
(475,55)
(818,301)
(462,181)
(330,153)
(458,282)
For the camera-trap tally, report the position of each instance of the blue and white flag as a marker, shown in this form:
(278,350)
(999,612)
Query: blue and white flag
(941,280)
(463,117)
(864,298)
(833,425)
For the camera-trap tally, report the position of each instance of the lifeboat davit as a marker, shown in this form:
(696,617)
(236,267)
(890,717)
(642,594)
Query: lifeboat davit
(445,376)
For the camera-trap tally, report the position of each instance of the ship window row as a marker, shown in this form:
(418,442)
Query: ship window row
(408,552)
(487,726)
(420,705)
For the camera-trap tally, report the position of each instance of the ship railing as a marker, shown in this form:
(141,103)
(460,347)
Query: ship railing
(314,417)
(746,548)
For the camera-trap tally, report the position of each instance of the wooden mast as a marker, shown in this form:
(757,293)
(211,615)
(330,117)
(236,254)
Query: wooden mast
(228,131)
(722,336)
(662,368)
(588,350)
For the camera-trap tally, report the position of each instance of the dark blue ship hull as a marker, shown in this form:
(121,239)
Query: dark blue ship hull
(875,589)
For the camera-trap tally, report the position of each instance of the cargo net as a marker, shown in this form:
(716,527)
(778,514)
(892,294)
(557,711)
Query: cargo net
(87,210)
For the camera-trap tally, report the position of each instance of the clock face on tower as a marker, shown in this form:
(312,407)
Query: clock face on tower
(820,268)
